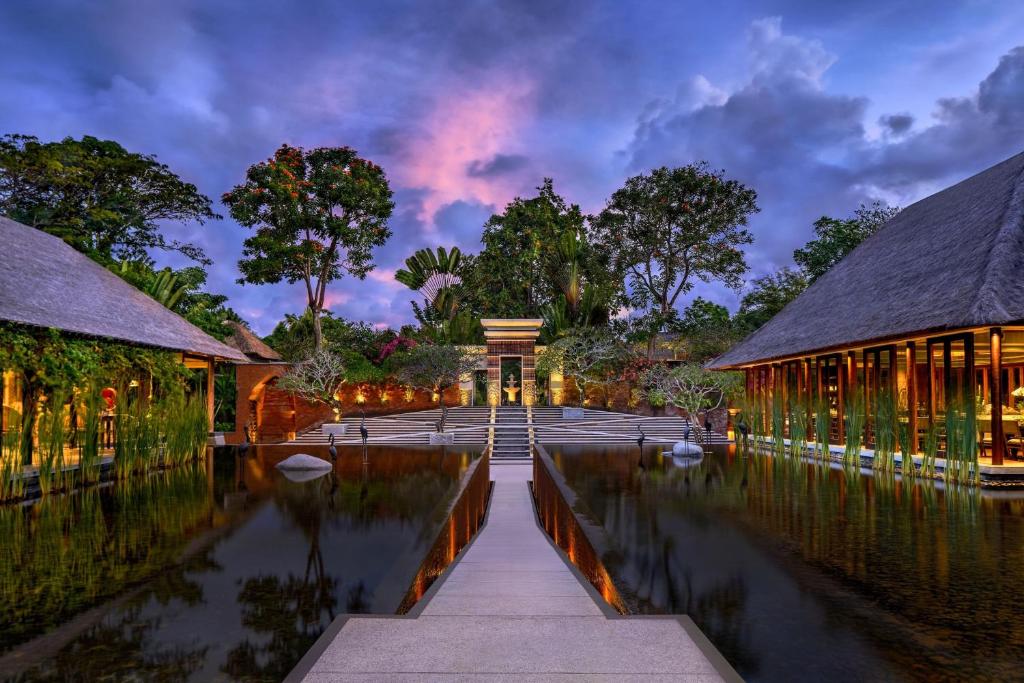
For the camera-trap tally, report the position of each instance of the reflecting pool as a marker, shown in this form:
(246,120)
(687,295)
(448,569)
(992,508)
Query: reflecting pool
(802,571)
(226,570)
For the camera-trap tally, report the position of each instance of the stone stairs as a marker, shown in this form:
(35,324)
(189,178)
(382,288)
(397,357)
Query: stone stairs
(605,427)
(511,442)
(470,425)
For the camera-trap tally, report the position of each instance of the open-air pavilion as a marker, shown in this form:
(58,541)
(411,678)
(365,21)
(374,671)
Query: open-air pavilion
(930,308)
(45,283)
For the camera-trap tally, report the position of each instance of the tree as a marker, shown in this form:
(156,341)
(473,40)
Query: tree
(838,237)
(669,227)
(98,197)
(318,379)
(317,216)
(438,278)
(182,291)
(521,269)
(705,330)
(767,296)
(692,388)
(586,355)
(436,367)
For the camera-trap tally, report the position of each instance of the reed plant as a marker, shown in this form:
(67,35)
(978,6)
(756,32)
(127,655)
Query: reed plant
(89,440)
(853,420)
(903,441)
(137,436)
(930,451)
(757,419)
(797,429)
(185,426)
(12,481)
(885,432)
(778,426)
(961,442)
(52,440)
(822,426)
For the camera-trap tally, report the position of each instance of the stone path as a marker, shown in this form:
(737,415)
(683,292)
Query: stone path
(511,609)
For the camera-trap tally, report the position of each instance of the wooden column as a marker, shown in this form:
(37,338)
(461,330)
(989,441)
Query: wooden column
(996,384)
(808,397)
(930,348)
(911,355)
(209,391)
(840,400)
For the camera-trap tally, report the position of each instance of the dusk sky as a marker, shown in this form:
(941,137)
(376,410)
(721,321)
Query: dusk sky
(816,105)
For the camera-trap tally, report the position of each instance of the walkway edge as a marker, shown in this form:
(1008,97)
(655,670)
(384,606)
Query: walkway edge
(707,648)
(317,649)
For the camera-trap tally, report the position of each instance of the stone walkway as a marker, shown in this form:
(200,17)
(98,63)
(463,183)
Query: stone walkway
(511,609)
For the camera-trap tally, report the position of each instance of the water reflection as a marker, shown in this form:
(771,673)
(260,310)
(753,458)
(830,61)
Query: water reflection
(804,571)
(224,571)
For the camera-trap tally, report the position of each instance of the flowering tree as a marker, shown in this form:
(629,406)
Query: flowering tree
(317,216)
(317,379)
(692,388)
(436,367)
(585,355)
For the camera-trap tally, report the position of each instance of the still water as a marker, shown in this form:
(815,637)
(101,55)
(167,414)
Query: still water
(226,570)
(805,572)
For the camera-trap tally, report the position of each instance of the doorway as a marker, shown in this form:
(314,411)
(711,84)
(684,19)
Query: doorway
(511,380)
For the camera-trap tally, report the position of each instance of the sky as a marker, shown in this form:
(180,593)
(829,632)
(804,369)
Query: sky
(818,106)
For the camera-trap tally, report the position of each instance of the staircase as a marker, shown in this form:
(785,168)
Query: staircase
(511,442)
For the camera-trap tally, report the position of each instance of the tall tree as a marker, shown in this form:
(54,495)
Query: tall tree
(674,225)
(317,214)
(705,330)
(767,296)
(521,269)
(98,197)
(837,237)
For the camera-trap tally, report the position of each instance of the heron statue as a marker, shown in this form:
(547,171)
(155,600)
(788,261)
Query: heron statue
(331,448)
(363,431)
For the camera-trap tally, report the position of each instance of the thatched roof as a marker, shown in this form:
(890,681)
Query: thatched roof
(243,339)
(952,260)
(46,283)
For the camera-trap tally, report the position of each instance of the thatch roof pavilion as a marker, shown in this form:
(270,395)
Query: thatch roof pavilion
(245,340)
(931,306)
(46,283)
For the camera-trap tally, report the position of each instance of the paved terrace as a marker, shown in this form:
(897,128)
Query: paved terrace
(471,425)
(512,609)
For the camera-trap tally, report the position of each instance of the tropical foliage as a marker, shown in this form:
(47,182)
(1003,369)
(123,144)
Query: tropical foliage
(98,197)
(317,216)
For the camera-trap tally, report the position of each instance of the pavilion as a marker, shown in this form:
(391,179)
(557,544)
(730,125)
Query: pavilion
(930,308)
(45,283)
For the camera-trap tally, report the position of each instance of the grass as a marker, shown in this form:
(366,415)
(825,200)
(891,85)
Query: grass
(12,484)
(854,420)
(822,426)
(961,442)
(797,429)
(885,418)
(52,440)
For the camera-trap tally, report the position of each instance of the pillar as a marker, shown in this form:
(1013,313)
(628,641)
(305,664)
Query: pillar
(209,391)
(996,385)
(911,358)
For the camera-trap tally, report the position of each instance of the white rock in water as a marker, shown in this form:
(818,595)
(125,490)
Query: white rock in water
(302,461)
(300,476)
(685,448)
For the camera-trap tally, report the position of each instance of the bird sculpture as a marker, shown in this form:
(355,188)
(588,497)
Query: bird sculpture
(331,448)
(243,448)
(363,431)
(640,439)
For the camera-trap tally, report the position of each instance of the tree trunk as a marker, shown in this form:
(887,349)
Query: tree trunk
(318,335)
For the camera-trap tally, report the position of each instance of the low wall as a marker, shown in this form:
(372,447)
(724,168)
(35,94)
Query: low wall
(581,540)
(464,517)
